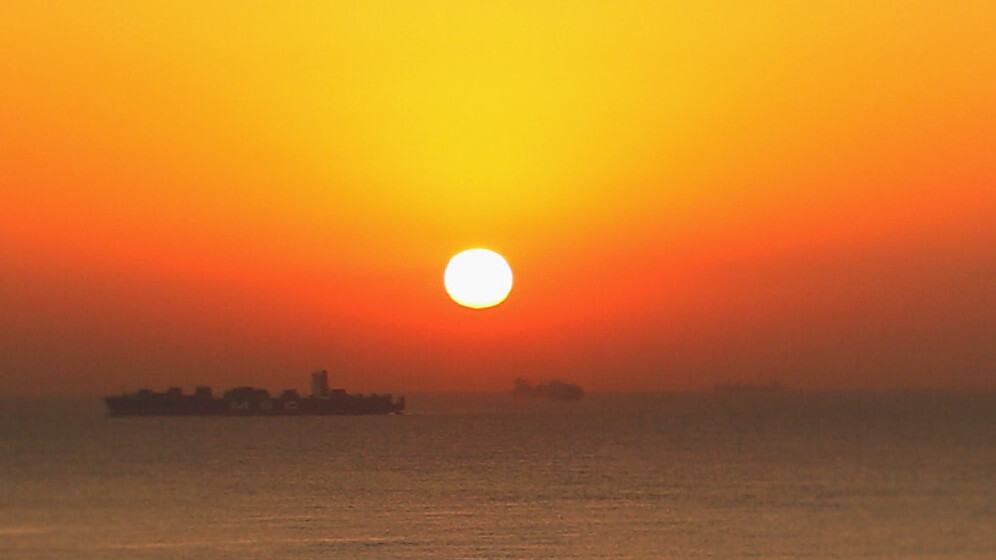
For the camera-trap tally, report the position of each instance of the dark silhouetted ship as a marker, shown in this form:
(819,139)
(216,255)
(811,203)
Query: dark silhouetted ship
(250,401)
(554,390)
(748,388)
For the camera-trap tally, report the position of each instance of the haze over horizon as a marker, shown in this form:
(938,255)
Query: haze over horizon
(230,195)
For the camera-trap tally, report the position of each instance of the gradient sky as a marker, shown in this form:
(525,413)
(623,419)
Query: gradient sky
(689,193)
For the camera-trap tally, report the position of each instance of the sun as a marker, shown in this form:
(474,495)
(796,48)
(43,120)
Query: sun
(478,278)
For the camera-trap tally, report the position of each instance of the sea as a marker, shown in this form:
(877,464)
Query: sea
(487,476)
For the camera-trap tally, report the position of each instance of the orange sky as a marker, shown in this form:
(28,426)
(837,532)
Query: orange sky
(238,193)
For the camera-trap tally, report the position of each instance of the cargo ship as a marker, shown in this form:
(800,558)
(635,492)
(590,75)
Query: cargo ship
(251,401)
(555,390)
(771,387)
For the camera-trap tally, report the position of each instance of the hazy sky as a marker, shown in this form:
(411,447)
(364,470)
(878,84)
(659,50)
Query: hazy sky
(689,193)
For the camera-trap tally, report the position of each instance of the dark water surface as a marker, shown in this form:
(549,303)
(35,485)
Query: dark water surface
(623,477)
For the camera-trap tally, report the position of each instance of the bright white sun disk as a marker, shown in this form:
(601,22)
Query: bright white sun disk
(478,278)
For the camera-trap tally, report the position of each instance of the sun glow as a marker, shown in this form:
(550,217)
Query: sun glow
(478,278)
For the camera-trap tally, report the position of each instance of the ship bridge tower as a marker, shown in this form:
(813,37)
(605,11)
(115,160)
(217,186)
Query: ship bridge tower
(320,384)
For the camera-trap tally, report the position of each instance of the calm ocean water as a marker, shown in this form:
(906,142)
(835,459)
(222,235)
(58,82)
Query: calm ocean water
(621,477)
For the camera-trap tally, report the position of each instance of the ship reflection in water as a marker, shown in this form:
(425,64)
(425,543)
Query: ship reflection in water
(554,390)
(250,401)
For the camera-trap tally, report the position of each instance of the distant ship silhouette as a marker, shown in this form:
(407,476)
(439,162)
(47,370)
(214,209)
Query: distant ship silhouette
(250,401)
(748,388)
(554,390)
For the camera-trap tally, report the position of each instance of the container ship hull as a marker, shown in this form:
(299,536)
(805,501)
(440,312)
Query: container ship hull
(250,401)
(129,405)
